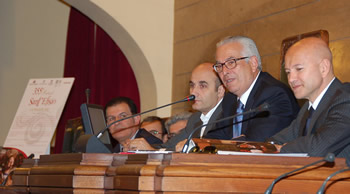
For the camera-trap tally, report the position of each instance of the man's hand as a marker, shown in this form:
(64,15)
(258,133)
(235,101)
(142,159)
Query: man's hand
(137,144)
(180,145)
(278,147)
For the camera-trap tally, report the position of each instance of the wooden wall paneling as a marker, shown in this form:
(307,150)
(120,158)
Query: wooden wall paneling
(214,15)
(277,20)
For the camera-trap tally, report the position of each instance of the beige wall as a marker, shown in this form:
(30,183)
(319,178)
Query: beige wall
(268,22)
(33,40)
(32,45)
(144,32)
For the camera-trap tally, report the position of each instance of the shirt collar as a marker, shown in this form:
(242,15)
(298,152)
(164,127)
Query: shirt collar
(244,97)
(205,118)
(319,97)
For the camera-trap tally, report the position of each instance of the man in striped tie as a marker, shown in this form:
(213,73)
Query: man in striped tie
(238,65)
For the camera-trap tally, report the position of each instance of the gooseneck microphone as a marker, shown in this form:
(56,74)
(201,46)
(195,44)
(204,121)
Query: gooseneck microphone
(263,107)
(87,93)
(323,187)
(328,158)
(188,98)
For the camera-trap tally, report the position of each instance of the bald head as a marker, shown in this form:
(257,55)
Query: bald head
(206,86)
(207,68)
(313,48)
(308,64)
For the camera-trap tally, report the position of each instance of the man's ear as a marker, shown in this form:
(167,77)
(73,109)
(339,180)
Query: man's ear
(137,120)
(254,64)
(325,67)
(221,91)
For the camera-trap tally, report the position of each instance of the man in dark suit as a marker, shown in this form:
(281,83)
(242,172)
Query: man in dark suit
(123,131)
(209,91)
(323,123)
(238,64)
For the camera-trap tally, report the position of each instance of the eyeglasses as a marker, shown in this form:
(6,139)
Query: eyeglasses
(112,118)
(155,132)
(170,135)
(229,63)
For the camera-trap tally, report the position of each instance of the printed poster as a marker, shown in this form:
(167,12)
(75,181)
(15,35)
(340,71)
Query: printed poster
(38,114)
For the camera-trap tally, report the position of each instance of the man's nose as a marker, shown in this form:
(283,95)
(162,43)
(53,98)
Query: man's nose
(291,77)
(225,70)
(194,91)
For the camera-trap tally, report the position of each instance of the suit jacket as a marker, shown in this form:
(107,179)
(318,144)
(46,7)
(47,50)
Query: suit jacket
(142,133)
(283,109)
(329,127)
(193,123)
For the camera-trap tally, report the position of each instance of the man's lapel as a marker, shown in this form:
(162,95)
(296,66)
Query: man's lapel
(323,105)
(198,132)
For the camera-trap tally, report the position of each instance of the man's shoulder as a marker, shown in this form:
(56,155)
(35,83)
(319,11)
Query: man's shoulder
(269,81)
(267,84)
(195,116)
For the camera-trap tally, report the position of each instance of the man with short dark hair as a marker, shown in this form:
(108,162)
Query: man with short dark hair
(119,108)
(155,126)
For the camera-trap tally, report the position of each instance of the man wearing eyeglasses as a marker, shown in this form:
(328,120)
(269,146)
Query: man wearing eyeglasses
(155,126)
(119,108)
(238,65)
(176,123)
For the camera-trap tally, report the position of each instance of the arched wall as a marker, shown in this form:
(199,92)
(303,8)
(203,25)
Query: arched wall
(154,90)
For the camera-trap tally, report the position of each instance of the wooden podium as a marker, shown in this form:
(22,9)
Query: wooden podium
(174,173)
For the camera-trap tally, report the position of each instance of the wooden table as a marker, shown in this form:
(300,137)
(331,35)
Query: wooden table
(175,173)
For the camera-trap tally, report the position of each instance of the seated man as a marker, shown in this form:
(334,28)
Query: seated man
(238,64)
(155,126)
(119,108)
(323,123)
(209,91)
(175,124)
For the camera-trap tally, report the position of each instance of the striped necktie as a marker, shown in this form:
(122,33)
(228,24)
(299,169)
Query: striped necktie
(237,127)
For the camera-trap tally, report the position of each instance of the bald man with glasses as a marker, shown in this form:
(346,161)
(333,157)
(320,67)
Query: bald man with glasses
(238,65)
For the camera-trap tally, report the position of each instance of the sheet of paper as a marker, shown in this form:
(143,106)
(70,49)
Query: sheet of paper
(38,114)
(262,154)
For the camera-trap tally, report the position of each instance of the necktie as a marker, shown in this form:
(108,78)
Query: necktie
(311,111)
(237,127)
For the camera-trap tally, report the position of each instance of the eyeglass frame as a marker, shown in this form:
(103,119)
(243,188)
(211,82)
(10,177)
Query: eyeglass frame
(228,66)
(155,132)
(112,118)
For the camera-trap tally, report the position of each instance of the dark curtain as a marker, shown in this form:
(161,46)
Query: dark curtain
(97,63)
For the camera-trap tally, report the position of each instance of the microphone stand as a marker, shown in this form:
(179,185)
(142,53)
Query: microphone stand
(328,158)
(189,98)
(323,187)
(260,108)
(92,144)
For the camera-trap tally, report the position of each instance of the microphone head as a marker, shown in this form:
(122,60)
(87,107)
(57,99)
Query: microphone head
(330,157)
(190,97)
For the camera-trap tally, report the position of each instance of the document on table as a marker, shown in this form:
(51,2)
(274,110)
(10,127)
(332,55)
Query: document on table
(221,152)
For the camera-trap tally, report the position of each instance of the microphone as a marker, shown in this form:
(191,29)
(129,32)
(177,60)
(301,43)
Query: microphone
(188,98)
(328,158)
(87,93)
(263,107)
(323,187)
(31,156)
